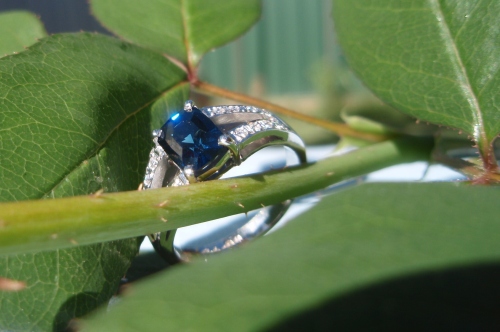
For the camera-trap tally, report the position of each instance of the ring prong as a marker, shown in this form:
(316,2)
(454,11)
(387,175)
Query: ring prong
(188,106)
(228,142)
(189,172)
(156,133)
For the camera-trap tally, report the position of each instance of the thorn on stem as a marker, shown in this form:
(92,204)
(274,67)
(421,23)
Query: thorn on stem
(163,204)
(98,193)
(10,285)
(124,289)
(74,325)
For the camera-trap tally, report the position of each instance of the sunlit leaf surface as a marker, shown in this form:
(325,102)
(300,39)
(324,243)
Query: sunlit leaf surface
(436,60)
(183,29)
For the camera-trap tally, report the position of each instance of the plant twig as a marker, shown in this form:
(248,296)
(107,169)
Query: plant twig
(338,128)
(58,223)
(488,157)
(475,172)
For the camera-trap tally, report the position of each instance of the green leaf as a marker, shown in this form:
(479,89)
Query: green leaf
(61,284)
(183,29)
(377,118)
(436,60)
(19,29)
(374,234)
(76,117)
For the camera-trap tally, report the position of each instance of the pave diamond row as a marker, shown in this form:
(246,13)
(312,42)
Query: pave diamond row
(154,158)
(156,154)
(244,131)
(231,242)
(228,109)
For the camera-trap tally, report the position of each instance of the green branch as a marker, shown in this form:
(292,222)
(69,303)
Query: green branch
(340,129)
(50,224)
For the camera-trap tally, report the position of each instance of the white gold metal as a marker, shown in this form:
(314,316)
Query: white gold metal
(229,142)
(189,173)
(188,106)
(156,133)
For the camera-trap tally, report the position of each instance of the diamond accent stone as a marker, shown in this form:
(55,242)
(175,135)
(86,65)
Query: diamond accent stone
(241,131)
(249,129)
(154,158)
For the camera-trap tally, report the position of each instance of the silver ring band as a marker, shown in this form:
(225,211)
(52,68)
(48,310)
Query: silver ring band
(202,144)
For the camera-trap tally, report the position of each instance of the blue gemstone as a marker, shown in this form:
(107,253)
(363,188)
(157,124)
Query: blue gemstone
(191,138)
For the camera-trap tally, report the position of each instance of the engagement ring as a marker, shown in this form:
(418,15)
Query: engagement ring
(201,144)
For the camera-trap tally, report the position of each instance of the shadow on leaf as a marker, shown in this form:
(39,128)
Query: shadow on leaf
(76,306)
(460,299)
(145,265)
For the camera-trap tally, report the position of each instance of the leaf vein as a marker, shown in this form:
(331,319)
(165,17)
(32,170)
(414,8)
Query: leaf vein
(452,49)
(111,132)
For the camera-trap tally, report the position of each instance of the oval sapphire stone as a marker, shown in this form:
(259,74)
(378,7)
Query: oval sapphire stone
(191,138)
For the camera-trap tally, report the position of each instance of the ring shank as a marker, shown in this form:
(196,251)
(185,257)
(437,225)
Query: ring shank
(261,223)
